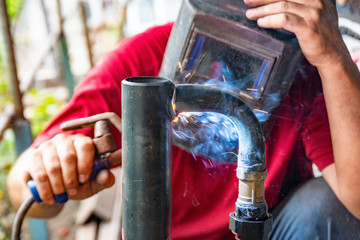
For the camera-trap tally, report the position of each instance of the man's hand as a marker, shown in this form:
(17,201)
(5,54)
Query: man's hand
(58,165)
(314,22)
(61,164)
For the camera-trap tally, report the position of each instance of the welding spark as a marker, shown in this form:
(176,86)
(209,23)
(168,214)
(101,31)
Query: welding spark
(179,63)
(210,163)
(227,68)
(258,110)
(192,120)
(198,63)
(210,135)
(224,125)
(176,119)
(224,78)
(185,117)
(210,124)
(252,89)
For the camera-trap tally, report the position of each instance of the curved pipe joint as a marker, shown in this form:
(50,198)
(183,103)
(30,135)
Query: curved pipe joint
(251,169)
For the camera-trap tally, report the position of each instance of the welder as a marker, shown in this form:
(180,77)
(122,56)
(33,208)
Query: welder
(317,121)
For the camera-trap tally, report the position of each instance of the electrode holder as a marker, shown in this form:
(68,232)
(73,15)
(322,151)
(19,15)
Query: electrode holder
(106,153)
(103,139)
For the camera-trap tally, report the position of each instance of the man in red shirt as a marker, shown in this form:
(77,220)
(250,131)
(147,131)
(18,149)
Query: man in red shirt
(204,191)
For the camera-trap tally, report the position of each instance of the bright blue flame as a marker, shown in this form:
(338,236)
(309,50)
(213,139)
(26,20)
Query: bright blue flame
(208,134)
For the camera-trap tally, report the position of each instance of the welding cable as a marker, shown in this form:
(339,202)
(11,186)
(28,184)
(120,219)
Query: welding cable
(19,217)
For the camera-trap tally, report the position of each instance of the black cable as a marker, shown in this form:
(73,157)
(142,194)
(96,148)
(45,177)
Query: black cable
(19,218)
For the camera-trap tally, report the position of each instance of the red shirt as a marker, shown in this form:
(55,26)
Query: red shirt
(205,191)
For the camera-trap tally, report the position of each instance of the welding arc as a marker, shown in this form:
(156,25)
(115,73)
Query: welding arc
(19,218)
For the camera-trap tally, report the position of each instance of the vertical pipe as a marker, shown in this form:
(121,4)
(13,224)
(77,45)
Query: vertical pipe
(146,145)
(67,74)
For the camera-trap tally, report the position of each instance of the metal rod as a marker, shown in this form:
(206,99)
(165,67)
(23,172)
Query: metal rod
(146,146)
(9,45)
(46,16)
(86,32)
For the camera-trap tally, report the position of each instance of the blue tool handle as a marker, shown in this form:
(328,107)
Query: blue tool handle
(98,165)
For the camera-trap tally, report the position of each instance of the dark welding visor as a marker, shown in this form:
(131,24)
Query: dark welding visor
(213,43)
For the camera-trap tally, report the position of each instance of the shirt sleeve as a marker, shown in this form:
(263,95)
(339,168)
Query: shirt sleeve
(316,136)
(100,91)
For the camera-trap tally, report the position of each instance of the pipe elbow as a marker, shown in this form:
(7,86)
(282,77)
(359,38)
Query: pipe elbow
(251,140)
(251,169)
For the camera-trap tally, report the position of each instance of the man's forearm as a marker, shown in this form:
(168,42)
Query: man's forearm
(341,86)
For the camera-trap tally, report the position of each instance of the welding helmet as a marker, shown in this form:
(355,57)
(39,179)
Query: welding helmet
(213,43)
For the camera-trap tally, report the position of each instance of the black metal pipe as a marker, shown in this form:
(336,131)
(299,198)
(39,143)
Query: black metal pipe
(146,146)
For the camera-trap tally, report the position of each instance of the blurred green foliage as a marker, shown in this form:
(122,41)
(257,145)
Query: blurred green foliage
(14,7)
(43,106)
(7,147)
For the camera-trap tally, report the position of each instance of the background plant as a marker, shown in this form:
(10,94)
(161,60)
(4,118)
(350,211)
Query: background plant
(43,107)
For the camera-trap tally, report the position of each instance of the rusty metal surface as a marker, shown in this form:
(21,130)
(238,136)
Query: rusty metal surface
(101,127)
(105,144)
(103,139)
(88,122)
(86,32)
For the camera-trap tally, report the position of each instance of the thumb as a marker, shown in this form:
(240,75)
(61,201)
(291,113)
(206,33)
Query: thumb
(104,179)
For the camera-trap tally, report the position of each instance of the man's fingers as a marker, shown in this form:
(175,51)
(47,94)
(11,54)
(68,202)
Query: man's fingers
(39,174)
(85,152)
(61,163)
(257,3)
(293,15)
(53,169)
(277,8)
(290,22)
(68,161)
(104,179)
